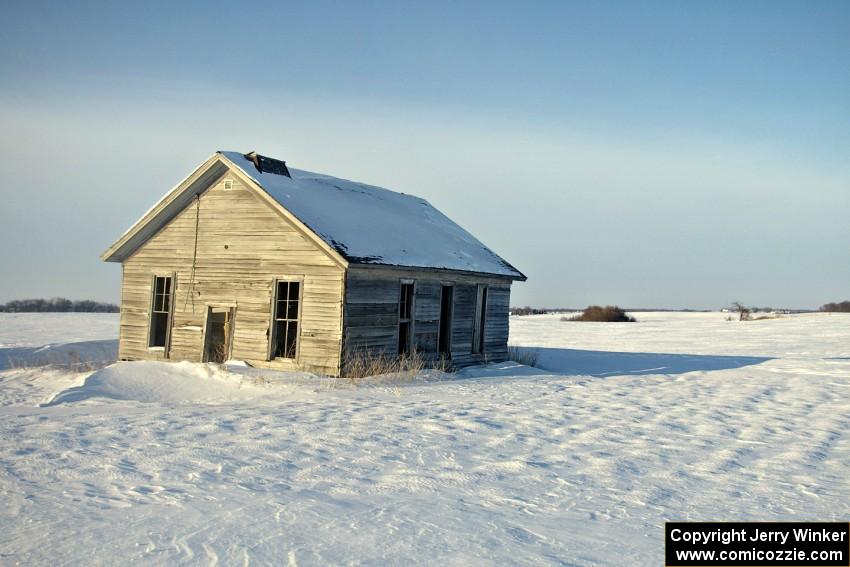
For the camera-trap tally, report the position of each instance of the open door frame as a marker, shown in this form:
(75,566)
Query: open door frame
(229,326)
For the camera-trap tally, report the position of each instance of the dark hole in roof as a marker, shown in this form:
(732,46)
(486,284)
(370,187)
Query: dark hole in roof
(343,249)
(268,165)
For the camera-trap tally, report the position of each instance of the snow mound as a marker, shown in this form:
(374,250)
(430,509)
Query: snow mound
(172,383)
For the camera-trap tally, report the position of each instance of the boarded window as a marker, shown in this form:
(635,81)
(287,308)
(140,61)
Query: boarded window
(285,322)
(480,322)
(405,309)
(160,311)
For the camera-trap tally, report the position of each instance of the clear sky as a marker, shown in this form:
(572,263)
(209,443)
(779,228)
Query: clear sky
(658,154)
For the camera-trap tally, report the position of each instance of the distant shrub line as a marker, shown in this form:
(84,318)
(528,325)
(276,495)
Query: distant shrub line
(599,314)
(57,305)
(840,307)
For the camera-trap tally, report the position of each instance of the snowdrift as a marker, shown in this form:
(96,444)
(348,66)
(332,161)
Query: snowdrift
(192,382)
(176,383)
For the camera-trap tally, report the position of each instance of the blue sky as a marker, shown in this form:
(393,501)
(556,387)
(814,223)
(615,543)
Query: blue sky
(659,154)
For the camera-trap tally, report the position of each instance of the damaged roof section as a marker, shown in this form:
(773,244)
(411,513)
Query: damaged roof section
(371,225)
(265,164)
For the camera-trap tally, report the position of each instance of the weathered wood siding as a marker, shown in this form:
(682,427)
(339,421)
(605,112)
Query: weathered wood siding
(243,246)
(371,312)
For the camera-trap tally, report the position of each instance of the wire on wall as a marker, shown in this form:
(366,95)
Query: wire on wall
(191,290)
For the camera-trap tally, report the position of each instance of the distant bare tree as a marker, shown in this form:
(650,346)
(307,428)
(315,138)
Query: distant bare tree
(742,310)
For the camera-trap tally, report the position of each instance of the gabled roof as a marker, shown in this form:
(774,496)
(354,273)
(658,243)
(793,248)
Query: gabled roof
(362,223)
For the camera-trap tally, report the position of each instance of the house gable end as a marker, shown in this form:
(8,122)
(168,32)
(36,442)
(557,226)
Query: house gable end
(227,250)
(182,196)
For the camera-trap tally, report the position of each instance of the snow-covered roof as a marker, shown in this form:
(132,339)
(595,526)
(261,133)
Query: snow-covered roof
(372,225)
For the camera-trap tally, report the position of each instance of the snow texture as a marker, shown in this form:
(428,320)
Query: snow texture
(675,417)
(371,225)
(82,340)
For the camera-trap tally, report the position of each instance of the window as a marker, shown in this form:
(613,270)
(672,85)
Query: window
(160,311)
(444,341)
(228,185)
(405,309)
(285,320)
(480,321)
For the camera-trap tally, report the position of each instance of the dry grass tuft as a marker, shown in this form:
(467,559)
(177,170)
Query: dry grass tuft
(362,364)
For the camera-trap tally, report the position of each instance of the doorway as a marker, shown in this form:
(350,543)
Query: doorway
(444,338)
(217,339)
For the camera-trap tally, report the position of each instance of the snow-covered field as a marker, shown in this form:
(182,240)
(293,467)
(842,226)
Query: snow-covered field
(676,417)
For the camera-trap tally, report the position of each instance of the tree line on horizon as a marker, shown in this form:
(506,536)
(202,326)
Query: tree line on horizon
(57,305)
(839,307)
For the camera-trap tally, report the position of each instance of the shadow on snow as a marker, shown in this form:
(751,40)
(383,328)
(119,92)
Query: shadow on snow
(572,362)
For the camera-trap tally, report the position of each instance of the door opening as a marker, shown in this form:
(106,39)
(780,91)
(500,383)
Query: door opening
(445,333)
(217,339)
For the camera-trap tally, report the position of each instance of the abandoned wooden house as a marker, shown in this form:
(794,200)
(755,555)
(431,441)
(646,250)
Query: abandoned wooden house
(251,260)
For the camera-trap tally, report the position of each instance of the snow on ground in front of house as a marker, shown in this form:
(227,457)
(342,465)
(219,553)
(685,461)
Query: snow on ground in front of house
(39,329)
(79,341)
(676,417)
(41,353)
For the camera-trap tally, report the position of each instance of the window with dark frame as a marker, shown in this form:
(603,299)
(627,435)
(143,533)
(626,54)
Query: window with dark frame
(405,309)
(160,311)
(285,321)
(480,321)
(444,333)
